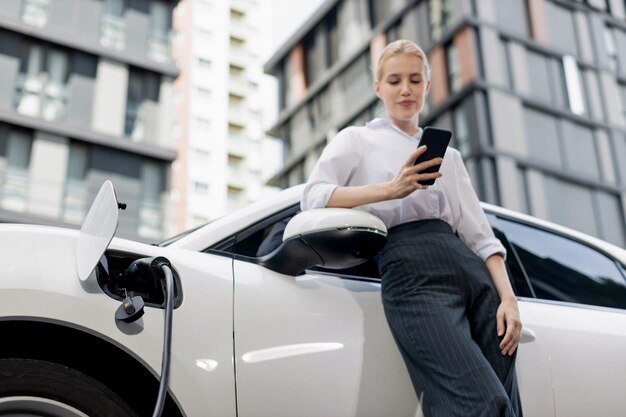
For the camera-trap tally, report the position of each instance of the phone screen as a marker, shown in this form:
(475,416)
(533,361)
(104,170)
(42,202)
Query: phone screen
(436,141)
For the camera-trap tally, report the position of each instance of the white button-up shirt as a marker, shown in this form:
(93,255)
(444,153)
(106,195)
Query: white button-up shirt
(375,153)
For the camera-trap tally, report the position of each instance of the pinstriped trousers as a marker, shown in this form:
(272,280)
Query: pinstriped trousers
(440,303)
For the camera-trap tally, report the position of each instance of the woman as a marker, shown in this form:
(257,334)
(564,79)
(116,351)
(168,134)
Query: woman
(445,290)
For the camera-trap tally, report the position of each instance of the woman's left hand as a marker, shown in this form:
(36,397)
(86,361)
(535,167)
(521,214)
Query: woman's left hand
(509,325)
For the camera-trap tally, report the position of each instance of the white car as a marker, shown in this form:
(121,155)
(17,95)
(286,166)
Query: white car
(255,322)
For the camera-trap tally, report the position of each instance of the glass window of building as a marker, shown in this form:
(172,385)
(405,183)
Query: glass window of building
(407,27)
(113,25)
(547,79)
(440,17)
(332,37)
(201,188)
(611,49)
(141,99)
(151,208)
(622,95)
(14,179)
(542,137)
(579,148)
(75,190)
(561,196)
(464,128)
(619,146)
(574,84)
(452,61)
(505,58)
(35,12)
(380,11)
(352,25)
(611,219)
(315,55)
(41,89)
(561,28)
(620,46)
(539,76)
(593,95)
(512,16)
(160,28)
(355,83)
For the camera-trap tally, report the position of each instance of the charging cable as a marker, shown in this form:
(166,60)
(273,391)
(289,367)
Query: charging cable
(167,339)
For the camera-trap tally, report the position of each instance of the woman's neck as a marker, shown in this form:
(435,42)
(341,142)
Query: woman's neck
(409,127)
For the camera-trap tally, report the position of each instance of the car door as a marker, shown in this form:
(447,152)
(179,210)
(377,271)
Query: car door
(579,310)
(316,344)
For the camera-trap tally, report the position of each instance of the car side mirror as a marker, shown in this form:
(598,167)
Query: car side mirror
(334,238)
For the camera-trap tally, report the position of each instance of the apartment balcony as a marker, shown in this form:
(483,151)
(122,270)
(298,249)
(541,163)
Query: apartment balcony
(37,98)
(238,85)
(75,201)
(239,6)
(151,217)
(14,184)
(239,29)
(237,115)
(237,146)
(159,48)
(113,33)
(238,55)
(142,121)
(35,12)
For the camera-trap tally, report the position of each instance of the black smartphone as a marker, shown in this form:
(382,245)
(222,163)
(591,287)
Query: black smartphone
(436,141)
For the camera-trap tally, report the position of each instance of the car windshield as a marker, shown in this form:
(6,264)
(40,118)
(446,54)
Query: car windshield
(173,239)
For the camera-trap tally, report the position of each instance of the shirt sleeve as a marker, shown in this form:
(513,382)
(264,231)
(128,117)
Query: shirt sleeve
(470,220)
(334,168)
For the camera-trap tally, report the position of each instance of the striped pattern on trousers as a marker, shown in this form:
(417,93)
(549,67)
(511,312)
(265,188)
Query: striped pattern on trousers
(440,303)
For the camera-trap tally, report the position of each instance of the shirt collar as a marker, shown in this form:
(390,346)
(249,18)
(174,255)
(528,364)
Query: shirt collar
(384,122)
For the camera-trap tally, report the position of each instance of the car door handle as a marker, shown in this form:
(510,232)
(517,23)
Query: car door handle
(527,335)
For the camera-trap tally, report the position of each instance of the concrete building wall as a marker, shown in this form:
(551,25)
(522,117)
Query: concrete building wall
(81,87)
(138,26)
(48,162)
(109,105)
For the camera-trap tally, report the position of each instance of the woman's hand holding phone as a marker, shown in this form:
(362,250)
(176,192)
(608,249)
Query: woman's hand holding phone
(436,142)
(408,178)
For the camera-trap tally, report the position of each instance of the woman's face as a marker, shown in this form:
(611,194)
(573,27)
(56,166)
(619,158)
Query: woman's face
(402,88)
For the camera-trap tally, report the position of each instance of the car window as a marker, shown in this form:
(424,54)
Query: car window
(563,269)
(265,236)
(519,280)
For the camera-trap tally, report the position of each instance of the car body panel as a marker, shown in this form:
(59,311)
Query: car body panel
(295,357)
(534,375)
(587,357)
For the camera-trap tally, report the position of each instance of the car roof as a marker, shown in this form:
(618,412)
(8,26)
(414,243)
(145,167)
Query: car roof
(223,227)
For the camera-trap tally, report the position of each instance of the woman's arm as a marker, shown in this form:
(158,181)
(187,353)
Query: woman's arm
(404,183)
(507,318)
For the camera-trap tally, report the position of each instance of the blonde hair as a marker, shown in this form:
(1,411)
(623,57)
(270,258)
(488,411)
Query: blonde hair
(401,46)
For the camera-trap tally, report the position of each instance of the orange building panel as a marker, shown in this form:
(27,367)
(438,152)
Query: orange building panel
(376,47)
(538,23)
(465,47)
(439,76)
(297,78)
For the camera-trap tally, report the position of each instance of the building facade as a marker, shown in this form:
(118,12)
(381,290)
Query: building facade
(86,95)
(533,90)
(218,111)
